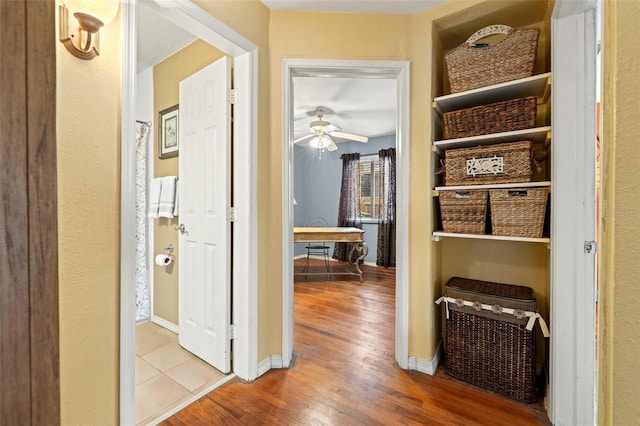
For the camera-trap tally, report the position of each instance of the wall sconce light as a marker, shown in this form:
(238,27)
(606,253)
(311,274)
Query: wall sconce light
(84,41)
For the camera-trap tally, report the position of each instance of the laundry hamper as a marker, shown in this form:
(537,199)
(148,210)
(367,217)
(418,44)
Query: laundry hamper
(472,65)
(490,341)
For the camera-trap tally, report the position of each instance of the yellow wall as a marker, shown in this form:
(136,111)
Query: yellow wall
(88,192)
(305,35)
(619,341)
(88,146)
(377,37)
(88,134)
(166,81)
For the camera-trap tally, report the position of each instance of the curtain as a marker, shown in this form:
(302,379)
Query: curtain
(349,208)
(143,307)
(387,208)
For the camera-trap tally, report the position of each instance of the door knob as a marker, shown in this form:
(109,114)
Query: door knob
(182,229)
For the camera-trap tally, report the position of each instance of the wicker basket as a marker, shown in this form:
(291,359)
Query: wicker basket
(463,212)
(506,116)
(518,212)
(489,164)
(492,351)
(472,65)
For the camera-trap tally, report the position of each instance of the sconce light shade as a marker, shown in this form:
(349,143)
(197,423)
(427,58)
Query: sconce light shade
(84,41)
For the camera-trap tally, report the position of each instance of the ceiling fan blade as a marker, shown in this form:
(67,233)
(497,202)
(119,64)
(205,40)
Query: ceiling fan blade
(304,138)
(329,143)
(330,128)
(350,136)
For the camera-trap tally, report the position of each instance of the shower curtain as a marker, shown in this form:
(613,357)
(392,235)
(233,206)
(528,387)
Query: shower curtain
(143,309)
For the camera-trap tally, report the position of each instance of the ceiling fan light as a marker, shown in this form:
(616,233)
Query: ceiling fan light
(315,142)
(320,142)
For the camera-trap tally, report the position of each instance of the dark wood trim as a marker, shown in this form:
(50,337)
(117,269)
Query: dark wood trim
(29,354)
(14,232)
(43,219)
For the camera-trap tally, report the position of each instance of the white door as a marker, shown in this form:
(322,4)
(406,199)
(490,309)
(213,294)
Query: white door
(205,194)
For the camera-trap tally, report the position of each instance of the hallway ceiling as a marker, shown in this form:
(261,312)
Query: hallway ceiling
(355,6)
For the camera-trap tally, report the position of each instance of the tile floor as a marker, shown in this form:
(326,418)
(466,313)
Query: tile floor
(166,374)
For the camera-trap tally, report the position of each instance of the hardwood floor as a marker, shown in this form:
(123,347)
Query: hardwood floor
(345,372)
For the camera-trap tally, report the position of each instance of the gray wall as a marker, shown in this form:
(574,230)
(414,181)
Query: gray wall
(316,186)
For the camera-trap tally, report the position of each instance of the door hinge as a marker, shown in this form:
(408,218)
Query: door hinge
(232,96)
(233,212)
(232,331)
(590,247)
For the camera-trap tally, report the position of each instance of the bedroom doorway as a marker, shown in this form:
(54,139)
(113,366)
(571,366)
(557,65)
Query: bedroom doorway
(398,74)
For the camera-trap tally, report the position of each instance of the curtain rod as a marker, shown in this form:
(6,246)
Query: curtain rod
(375,153)
(148,123)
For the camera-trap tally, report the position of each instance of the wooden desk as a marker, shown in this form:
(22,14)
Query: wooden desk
(354,236)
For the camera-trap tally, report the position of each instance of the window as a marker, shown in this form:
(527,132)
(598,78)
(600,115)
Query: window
(369,187)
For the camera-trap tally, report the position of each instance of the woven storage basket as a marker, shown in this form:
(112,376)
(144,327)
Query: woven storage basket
(501,163)
(464,212)
(492,351)
(506,116)
(518,212)
(512,58)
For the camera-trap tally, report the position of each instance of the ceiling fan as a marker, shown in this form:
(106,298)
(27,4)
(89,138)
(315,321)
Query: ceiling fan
(321,132)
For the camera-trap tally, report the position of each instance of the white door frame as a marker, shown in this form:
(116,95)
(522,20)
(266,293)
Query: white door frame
(573,367)
(398,70)
(244,280)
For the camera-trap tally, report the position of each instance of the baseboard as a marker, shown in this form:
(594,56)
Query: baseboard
(272,361)
(427,366)
(164,323)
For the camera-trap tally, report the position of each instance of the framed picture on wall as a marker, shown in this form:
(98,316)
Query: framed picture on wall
(168,133)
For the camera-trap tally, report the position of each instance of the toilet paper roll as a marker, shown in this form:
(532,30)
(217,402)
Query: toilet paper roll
(163,260)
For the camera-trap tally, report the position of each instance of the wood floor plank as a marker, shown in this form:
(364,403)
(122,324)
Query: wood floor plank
(345,372)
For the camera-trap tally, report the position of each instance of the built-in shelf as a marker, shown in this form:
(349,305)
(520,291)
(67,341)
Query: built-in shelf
(439,235)
(538,135)
(492,186)
(537,85)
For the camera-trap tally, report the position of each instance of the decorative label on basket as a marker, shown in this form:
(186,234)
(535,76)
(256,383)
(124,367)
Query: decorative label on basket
(485,166)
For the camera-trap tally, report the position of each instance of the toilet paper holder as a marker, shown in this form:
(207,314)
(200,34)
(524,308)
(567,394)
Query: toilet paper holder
(168,249)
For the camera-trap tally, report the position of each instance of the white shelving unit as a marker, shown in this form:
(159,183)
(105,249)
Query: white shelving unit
(537,85)
(439,234)
(539,136)
(493,186)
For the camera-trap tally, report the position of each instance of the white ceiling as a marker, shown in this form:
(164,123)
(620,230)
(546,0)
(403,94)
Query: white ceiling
(355,6)
(360,106)
(157,38)
(363,106)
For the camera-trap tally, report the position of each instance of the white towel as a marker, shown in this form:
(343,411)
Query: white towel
(154,197)
(167,197)
(175,207)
